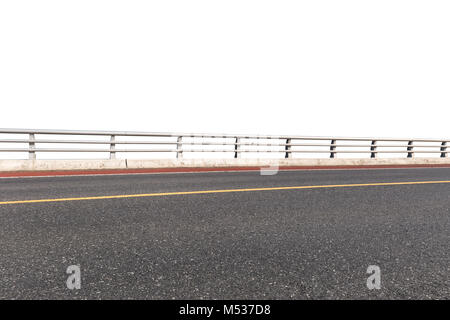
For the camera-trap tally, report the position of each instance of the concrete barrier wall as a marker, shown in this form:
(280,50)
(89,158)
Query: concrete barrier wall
(50,165)
(141,164)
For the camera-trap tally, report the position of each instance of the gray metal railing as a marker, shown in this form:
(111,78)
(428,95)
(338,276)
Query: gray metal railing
(238,143)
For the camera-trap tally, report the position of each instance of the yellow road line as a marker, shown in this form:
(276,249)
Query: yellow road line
(120,196)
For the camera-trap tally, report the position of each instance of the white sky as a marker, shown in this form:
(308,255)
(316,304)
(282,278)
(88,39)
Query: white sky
(345,68)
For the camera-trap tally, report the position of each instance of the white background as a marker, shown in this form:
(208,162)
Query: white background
(345,68)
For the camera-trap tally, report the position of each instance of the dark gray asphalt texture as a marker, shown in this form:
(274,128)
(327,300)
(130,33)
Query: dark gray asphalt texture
(284,244)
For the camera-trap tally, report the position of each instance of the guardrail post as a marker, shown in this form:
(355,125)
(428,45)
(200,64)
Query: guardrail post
(179,148)
(443,149)
(333,149)
(112,147)
(31,147)
(373,148)
(410,149)
(237,154)
(287,148)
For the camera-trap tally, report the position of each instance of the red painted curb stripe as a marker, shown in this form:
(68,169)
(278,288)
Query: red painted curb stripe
(182,170)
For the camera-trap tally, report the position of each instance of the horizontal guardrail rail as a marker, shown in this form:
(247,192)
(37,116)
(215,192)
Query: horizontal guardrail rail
(238,143)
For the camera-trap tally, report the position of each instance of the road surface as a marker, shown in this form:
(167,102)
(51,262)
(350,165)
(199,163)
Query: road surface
(228,235)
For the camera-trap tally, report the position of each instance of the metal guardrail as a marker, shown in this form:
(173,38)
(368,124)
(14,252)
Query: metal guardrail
(238,141)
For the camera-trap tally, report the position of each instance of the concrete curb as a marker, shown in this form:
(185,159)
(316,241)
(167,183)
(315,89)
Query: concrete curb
(121,164)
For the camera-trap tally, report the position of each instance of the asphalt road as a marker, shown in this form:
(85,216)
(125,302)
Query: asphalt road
(272,244)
